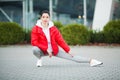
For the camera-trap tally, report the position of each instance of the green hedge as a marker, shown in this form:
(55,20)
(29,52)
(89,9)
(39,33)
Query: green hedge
(75,34)
(11,33)
(96,37)
(28,36)
(58,24)
(112,32)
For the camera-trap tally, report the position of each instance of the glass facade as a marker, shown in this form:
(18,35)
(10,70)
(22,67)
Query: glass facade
(116,10)
(65,11)
(72,11)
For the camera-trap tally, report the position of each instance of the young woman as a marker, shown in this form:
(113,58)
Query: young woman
(45,39)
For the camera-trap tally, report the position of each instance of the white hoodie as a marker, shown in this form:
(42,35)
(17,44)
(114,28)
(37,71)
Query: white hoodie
(46,32)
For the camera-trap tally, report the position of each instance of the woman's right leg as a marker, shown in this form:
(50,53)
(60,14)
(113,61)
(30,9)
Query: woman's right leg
(38,53)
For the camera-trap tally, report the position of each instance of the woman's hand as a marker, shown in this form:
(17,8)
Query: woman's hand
(71,55)
(49,53)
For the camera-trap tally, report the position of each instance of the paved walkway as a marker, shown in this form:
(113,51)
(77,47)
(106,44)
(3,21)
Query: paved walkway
(18,63)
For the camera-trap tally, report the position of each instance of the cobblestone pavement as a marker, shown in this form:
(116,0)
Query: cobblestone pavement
(18,63)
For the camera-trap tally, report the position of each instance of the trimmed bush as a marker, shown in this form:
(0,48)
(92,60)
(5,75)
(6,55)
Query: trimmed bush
(28,36)
(75,34)
(58,24)
(96,37)
(112,32)
(11,33)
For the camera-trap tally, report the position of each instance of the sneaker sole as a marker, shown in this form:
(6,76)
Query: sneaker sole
(97,65)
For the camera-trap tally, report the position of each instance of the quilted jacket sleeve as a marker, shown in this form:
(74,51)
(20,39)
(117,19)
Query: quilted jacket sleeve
(35,41)
(61,42)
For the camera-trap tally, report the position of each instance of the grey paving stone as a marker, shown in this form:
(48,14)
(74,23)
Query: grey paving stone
(18,63)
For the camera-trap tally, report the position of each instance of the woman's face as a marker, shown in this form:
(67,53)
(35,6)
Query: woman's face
(45,18)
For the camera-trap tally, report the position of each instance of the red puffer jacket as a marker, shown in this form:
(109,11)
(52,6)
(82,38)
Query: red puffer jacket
(39,39)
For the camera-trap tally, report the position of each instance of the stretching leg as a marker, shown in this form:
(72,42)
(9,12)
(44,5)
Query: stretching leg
(67,56)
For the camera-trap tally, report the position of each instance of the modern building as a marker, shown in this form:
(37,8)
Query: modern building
(105,10)
(93,13)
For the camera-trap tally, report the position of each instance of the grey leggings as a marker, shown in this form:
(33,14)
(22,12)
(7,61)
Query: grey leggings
(61,54)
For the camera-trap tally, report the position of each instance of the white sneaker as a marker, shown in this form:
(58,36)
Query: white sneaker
(94,62)
(39,63)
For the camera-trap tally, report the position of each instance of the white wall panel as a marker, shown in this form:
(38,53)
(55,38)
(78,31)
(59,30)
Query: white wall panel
(102,13)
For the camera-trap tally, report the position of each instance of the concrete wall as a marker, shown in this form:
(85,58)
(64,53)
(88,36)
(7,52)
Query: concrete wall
(103,13)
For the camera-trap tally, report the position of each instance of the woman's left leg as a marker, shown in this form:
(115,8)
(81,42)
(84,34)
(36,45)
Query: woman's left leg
(92,62)
(79,59)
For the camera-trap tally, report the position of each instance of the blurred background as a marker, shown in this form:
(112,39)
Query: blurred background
(26,12)
(79,21)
